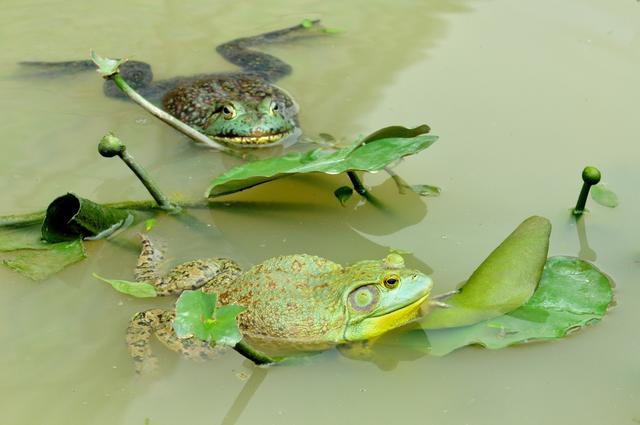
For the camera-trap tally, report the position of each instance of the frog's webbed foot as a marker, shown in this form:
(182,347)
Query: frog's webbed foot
(439,300)
(157,321)
(238,51)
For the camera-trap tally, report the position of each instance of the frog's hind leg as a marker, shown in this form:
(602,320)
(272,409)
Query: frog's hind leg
(238,51)
(159,322)
(136,73)
(191,275)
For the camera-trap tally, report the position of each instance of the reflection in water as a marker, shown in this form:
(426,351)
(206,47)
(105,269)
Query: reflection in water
(586,253)
(258,374)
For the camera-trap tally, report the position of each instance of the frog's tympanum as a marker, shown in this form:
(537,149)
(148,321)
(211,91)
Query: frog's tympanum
(294,302)
(241,108)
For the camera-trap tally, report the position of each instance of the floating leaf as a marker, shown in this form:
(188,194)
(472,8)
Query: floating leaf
(343,193)
(135,289)
(604,196)
(106,66)
(572,294)
(503,282)
(425,190)
(70,217)
(40,262)
(13,238)
(197,315)
(373,153)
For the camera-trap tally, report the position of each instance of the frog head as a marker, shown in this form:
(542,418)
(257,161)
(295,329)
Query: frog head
(383,295)
(250,122)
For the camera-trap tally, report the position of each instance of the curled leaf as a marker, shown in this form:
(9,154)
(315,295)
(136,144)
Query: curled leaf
(343,193)
(106,66)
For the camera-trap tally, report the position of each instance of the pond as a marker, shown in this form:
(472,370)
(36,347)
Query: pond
(522,95)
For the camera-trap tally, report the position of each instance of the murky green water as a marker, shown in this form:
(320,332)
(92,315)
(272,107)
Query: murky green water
(523,96)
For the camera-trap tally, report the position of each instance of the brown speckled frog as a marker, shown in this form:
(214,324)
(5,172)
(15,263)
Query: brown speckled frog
(294,302)
(242,108)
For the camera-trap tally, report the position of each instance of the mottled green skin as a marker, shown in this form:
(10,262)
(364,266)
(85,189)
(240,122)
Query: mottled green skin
(300,302)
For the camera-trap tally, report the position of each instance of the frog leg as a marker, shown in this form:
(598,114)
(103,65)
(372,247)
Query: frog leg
(157,321)
(136,73)
(438,300)
(239,52)
(187,276)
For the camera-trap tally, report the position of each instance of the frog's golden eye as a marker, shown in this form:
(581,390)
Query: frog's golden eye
(391,281)
(228,112)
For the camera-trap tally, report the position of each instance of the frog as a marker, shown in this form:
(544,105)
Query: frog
(242,108)
(293,303)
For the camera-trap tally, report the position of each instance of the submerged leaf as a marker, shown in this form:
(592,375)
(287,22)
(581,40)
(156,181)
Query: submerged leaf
(39,263)
(135,289)
(197,315)
(572,294)
(343,193)
(503,282)
(425,190)
(149,224)
(373,153)
(604,196)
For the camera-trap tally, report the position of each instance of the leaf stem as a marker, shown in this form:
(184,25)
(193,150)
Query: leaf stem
(590,177)
(254,355)
(163,116)
(357,183)
(111,146)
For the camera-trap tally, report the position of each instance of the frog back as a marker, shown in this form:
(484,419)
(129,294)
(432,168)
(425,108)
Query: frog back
(290,299)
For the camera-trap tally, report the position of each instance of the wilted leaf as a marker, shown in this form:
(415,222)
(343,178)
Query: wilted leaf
(604,196)
(135,289)
(343,193)
(197,315)
(503,282)
(106,66)
(40,262)
(572,294)
(373,153)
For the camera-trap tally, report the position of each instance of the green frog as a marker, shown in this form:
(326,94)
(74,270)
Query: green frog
(242,108)
(295,302)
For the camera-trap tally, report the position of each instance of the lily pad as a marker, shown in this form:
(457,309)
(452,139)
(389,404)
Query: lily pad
(373,153)
(197,315)
(40,262)
(135,289)
(604,196)
(503,282)
(571,295)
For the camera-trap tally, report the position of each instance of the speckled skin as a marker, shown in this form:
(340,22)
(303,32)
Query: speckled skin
(300,302)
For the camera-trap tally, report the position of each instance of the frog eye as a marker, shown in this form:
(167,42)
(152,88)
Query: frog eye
(228,112)
(391,281)
(364,298)
(273,107)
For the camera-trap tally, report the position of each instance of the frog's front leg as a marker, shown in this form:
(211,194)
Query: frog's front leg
(187,276)
(159,322)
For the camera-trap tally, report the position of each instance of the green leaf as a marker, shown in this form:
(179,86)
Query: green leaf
(306,23)
(40,262)
(135,289)
(604,196)
(196,315)
(69,217)
(503,282)
(572,294)
(106,66)
(13,238)
(426,190)
(149,224)
(373,153)
(343,193)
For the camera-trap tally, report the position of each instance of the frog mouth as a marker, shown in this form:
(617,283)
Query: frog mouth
(258,138)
